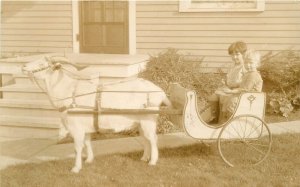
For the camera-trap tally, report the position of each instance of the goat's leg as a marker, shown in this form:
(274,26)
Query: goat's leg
(154,149)
(146,144)
(89,150)
(149,130)
(78,143)
(146,155)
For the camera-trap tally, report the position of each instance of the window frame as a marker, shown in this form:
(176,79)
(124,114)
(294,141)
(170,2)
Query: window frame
(188,6)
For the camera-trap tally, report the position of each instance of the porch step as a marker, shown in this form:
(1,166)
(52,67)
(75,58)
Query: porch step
(25,109)
(29,127)
(33,92)
(24,79)
(25,121)
(111,65)
(34,108)
(108,65)
(19,91)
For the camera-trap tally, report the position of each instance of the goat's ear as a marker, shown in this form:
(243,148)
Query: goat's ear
(56,66)
(64,60)
(80,67)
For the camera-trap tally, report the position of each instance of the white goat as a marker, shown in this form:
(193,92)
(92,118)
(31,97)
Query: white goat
(65,89)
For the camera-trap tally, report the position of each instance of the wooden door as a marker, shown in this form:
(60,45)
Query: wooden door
(104,27)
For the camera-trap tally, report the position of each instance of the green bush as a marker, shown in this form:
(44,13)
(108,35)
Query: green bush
(281,75)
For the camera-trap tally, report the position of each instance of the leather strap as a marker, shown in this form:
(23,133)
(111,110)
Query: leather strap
(97,109)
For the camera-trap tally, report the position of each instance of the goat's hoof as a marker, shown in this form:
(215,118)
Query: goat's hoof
(75,170)
(151,163)
(144,159)
(89,160)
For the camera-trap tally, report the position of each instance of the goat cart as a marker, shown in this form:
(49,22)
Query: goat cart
(82,101)
(245,134)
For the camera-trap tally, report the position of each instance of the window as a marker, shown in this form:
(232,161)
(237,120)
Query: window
(221,5)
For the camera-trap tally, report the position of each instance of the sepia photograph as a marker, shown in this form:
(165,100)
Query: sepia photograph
(166,93)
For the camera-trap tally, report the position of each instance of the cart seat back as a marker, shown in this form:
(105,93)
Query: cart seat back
(251,103)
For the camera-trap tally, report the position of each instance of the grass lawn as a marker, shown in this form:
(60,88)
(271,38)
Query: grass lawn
(194,165)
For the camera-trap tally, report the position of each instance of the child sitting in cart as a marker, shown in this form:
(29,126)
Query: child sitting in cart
(251,81)
(237,51)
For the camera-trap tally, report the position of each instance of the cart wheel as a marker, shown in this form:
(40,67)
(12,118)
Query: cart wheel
(244,140)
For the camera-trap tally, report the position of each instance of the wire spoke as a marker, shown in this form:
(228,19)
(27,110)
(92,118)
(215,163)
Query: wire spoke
(230,133)
(250,145)
(241,125)
(236,132)
(254,130)
(245,126)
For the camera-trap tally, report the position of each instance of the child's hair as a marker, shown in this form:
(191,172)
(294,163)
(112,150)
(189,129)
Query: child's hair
(239,46)
(252,57)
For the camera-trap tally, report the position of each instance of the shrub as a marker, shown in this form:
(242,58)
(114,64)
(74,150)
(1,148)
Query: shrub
(280,72)
(170,66)
(281,75)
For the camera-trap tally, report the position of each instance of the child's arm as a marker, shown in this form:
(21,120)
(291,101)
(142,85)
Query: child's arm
(247,85)
(233,91)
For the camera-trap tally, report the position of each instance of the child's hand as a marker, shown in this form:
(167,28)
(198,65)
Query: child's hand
(227,90)
(223,81)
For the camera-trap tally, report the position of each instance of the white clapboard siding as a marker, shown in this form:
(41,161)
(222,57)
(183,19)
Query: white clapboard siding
(46,32)
(41,49)
(37,7)
(37,20)
(265,14)
(203,54)
(35,43)
(40,14)
(201,46)
(36,38)
(221,27)
(171,6)
(24,26)
(46,26)
(191,40)
(185,21)
(30,27)
(160,25)
(216,33)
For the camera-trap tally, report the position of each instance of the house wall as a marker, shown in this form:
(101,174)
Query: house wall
(31,27)
(46,26)
(160,25)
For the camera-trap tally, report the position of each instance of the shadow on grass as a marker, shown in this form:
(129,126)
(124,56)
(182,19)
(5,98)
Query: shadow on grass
(199,149)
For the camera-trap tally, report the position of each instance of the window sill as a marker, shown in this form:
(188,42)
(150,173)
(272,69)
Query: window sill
(189,6)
